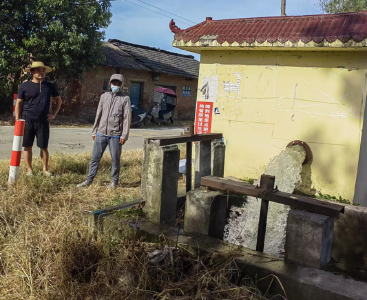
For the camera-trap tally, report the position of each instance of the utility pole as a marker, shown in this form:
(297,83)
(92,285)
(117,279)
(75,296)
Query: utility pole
(283,8)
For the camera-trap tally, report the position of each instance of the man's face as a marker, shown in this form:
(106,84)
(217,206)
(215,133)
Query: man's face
(38,73)
(116,83)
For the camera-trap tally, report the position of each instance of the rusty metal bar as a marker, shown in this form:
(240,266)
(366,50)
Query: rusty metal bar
(296,201)
(165,141)
(188,166)
(266,183)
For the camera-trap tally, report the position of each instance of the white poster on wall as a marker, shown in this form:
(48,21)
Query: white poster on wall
(209,89)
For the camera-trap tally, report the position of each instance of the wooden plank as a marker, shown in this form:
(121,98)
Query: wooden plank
(306,203)
(267,183)
(232,186)
(262,225)
(296,201)
(169,140)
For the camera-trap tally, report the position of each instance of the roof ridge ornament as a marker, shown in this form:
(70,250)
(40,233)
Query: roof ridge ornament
(174,28)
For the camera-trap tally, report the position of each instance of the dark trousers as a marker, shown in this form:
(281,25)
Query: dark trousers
(99,147)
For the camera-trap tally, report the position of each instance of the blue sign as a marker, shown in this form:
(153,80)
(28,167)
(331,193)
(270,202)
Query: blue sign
(186,91)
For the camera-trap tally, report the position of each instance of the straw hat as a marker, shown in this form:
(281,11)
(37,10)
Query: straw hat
(38,64)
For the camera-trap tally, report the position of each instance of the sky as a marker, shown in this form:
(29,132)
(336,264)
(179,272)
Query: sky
(134,24)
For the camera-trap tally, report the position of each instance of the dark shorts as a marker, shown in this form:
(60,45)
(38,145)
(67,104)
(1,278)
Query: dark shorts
(39,129)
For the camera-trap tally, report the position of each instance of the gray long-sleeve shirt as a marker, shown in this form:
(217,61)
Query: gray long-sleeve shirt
(113,117)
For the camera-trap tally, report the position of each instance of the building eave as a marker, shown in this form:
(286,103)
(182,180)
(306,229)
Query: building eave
(212,44)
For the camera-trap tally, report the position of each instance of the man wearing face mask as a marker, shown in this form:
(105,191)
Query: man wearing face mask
(33,103)
(111,127)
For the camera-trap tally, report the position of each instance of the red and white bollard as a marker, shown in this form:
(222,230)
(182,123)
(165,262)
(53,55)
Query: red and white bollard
(16,151)
(15,96)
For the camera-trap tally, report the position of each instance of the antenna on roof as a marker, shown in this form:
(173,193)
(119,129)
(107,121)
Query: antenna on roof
(283,8)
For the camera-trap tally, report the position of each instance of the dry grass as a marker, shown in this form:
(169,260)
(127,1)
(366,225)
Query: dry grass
(43,234)
(48,251)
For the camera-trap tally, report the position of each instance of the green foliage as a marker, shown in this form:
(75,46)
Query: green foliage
(340,6)
(333,198)
(249,180)
(129,213)
(64,34)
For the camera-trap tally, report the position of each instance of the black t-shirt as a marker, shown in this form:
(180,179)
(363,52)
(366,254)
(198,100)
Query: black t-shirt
(37,99)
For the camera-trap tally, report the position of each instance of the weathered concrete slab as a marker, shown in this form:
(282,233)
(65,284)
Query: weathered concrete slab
(350,238)
(160,181)
(218,158)
(309,238)
(205,212)
(202,161)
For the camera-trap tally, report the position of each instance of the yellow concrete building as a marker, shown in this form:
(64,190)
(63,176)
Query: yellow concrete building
(278,79)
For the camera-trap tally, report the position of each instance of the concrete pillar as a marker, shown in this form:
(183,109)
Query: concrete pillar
(309,239)
(145,168)
(159,182)
(205,212)
(202,161)
(218,156)
(209,160)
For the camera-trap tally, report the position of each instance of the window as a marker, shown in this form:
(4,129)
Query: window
(106,85)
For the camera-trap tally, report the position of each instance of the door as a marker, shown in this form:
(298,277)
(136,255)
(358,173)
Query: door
(135,93)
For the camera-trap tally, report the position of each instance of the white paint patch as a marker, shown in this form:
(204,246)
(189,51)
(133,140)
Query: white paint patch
(233,87)
(209,90)
(13,174)
(17,143)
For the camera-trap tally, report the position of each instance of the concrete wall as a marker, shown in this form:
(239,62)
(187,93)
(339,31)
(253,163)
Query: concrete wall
(267,99)
(92,88)
(350,239)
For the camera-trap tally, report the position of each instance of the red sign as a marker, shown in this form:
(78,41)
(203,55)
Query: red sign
(203,121)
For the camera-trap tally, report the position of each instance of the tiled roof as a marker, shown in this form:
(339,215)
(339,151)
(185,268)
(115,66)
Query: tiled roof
(317,28)
(132,56)
(115,57)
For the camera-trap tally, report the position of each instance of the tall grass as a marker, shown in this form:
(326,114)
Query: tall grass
(48,250)
(44,238)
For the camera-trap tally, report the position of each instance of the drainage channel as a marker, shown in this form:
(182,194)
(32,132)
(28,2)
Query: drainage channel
(293,281)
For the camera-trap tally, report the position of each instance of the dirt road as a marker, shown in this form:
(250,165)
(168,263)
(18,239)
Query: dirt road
(76,140)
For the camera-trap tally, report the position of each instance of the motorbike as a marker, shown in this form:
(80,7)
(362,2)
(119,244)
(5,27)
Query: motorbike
(164,103)
(137,116)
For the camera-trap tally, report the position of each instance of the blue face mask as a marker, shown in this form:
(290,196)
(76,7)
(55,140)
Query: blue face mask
(115,89)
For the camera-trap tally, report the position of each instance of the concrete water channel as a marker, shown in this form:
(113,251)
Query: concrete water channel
(311,241)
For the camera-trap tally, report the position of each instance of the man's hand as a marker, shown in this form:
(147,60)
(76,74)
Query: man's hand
(122,141)
(93,137)
(50,117)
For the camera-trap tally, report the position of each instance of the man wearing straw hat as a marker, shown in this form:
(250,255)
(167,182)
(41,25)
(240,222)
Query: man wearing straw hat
(33,103)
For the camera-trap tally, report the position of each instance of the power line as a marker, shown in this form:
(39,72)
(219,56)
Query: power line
(165,11)
(102,1)
(154,11)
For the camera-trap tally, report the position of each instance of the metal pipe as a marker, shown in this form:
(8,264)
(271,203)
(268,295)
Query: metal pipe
(283,8)
(16,154)
(309,155)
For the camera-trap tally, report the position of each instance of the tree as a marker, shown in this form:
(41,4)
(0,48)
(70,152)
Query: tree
(65,34)
(339,6)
